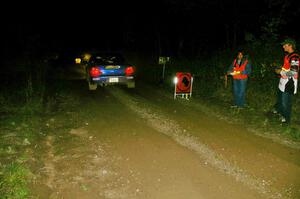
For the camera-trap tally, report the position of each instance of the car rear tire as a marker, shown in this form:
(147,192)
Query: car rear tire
(131,84)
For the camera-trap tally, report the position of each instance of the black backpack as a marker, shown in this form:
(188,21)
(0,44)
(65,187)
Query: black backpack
(290,86)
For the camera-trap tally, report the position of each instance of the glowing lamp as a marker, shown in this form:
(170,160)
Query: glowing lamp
(175,80)
(77,60)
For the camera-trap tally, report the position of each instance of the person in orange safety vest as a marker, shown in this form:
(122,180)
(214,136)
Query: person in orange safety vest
(288,82)
(240,70)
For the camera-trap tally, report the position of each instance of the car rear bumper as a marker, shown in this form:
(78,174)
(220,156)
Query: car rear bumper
(112,79)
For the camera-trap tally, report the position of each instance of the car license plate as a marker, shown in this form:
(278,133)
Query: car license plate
(113,79)
(112,67)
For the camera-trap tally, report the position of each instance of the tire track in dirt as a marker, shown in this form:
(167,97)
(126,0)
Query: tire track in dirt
(163,124)
(49,168)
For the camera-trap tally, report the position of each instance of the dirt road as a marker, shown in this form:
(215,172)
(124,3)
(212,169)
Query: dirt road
(143,144)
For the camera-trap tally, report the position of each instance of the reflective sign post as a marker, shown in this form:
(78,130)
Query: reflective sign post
(163,61)
(183,85)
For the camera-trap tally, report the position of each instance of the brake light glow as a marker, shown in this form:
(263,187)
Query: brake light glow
(95,72)
(129,70)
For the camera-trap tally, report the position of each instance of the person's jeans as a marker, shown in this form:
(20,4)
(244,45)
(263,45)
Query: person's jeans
(284,104)
(239,91)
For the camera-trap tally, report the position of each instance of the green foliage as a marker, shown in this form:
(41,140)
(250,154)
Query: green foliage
(13,181)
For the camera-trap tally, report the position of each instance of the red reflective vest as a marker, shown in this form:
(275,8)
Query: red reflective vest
(241,68)
(287,61)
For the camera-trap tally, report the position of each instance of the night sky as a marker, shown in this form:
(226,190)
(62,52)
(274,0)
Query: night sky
(144,25)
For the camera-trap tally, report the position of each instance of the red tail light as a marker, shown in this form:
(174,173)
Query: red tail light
(95,72)
(129,70)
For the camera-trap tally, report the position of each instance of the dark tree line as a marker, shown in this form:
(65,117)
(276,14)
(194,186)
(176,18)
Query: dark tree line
(174,27)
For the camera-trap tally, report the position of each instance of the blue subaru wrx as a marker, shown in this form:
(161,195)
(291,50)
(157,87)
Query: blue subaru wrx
(109,69)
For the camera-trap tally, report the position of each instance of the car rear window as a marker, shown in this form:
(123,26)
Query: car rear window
(107,59)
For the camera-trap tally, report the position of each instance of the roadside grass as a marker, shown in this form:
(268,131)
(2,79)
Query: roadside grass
(257,117)
(26,118)
(21,107)
(16,139)
(14,180)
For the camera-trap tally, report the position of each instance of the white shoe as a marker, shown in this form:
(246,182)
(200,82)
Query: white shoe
(283,120)
(275,111)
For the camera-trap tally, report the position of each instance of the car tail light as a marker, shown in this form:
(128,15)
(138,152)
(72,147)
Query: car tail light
(95,72)
(129,70)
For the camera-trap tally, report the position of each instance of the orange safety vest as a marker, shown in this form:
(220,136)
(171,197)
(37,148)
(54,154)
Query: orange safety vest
(287,61)
(241,68)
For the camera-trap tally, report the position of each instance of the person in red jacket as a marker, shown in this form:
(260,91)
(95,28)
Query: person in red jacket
(288,82)
(240,69)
